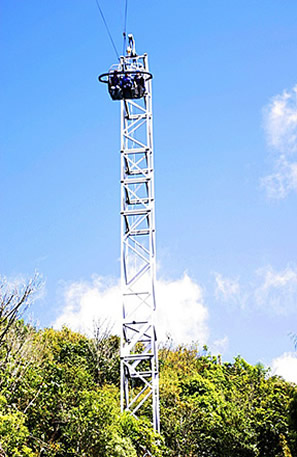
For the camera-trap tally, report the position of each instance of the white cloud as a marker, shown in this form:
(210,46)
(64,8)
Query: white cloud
(285,366)
(284,180)
(280,118)
(277,290)
(227,289)
(280,124)
(220,346)
(274,292)
(87,302)
(181,311)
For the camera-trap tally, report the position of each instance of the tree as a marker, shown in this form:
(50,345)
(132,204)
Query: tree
(16,356)
(210,409)
(13,302)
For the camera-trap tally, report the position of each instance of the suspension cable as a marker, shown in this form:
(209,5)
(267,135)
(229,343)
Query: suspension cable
(125,28)
(107,29)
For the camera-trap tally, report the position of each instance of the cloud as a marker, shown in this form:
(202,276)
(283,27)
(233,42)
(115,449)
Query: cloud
(227,289)
(181,313)
(274,292)
(280,118)
(89,302)
(220,346)
(277,290)
(285,366)
(284,180)
(280,124)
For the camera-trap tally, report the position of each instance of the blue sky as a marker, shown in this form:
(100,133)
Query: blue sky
(225,128)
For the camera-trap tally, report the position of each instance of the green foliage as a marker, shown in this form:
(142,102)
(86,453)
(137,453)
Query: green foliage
(211,409)
(120,447)
(13,431)
(285,451)
(141,435)
(89,425)
(59,397)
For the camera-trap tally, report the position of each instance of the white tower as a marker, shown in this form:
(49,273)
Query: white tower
(139,353)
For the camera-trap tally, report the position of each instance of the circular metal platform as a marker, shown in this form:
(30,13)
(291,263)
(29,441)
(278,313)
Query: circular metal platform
(104,77)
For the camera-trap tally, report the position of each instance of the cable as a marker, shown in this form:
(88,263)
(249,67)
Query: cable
(125,28)
(108,31)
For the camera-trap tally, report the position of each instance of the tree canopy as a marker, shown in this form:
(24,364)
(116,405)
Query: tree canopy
(59,397)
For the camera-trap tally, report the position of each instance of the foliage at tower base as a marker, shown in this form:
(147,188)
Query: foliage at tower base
(59,397)
(212,409)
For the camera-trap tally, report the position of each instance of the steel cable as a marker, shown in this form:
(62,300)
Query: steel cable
(107,29)
(125,28)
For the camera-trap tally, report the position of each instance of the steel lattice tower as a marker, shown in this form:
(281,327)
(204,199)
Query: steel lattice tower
(139,353)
